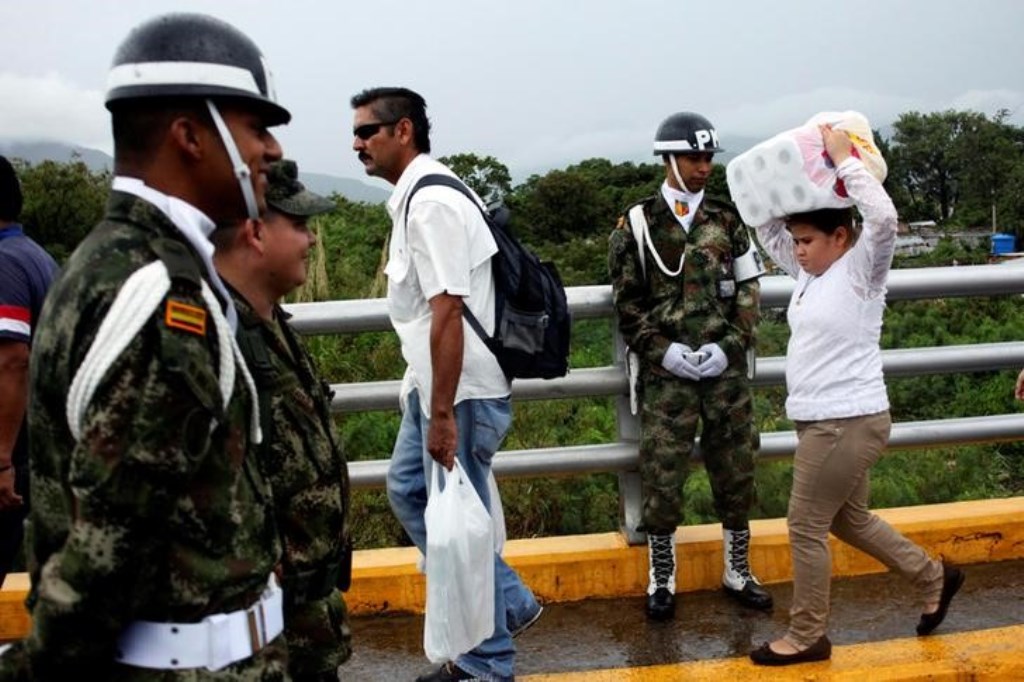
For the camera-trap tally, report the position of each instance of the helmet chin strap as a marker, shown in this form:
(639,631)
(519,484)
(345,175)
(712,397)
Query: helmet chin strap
(242,172)
(675,172)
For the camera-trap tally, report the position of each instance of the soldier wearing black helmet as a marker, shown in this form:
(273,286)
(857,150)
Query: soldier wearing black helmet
(685,274)
(152,543)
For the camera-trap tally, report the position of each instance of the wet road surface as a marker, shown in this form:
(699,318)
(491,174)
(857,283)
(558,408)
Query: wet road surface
(614,633)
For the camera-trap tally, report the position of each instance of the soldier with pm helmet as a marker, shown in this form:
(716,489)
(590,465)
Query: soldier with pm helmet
(684,273)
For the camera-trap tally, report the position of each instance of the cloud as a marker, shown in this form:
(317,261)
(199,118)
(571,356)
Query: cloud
(51,108)
(746,123)
(989,102)
(764,119)
(550,151)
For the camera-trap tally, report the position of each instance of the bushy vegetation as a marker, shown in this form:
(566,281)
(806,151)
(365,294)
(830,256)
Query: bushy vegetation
(566,216)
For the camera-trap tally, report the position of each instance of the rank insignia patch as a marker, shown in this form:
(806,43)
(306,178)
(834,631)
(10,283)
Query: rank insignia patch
(185,317)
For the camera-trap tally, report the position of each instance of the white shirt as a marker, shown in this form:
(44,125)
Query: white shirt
(193,224)
(445,248)
(834,363)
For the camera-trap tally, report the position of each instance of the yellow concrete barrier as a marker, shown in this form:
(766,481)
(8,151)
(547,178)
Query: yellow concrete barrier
(994,655)
(572,568)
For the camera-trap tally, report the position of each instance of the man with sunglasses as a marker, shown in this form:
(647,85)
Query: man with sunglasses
(455,396)
(684,274)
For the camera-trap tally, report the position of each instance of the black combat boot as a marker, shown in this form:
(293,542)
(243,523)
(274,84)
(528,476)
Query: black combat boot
(737,580)
(661,588)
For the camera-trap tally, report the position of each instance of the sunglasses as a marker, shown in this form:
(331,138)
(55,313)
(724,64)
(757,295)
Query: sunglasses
(368,130)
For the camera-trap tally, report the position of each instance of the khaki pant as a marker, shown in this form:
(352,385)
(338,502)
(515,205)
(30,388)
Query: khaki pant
(830,492)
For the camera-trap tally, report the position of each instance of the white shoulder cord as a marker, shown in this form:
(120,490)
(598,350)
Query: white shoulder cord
(642,233)
(135,303)
(231,357)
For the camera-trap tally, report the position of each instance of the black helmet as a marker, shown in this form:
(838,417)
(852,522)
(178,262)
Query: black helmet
(686,133)
(177,55)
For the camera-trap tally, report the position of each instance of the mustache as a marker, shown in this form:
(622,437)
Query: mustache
(363,156)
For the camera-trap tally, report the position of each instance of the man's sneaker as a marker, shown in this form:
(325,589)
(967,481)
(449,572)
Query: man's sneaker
(446,673)
(523,627)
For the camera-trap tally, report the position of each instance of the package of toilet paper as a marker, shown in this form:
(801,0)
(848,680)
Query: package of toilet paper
(791,173)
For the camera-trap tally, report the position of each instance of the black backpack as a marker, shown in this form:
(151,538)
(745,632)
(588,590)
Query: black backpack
(532,321)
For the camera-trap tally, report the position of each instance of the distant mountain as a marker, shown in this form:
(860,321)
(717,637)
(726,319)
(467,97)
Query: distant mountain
(353,190)
(37,152)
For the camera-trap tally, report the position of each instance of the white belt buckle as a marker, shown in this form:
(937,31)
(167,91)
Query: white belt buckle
(218,633)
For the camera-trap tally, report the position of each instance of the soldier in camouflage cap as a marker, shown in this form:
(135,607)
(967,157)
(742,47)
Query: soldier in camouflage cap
(151,544)
(288,196)
(261,261)
(684,275)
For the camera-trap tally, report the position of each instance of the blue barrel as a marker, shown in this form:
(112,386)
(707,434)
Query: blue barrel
(1002,243)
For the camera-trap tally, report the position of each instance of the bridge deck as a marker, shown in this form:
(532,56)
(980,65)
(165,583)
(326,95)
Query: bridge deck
(594,628)
(872,628)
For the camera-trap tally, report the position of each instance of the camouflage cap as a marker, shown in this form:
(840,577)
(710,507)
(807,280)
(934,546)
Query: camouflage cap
(287,195)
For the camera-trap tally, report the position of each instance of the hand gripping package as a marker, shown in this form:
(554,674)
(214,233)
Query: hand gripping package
(791,173)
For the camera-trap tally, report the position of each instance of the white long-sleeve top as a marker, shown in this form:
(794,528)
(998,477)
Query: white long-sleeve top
(833,362)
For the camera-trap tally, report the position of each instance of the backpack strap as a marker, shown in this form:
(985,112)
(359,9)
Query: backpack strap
(320,390)
(257,358)
(459,186)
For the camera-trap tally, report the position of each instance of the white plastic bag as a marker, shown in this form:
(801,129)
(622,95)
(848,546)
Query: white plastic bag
(497,514)
(460,567)
(791,173)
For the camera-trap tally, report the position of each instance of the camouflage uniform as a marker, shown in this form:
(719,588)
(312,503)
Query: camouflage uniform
(693,308)
(309,476)
(158,511)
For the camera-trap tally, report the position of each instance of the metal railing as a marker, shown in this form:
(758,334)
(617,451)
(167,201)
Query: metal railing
(621,457)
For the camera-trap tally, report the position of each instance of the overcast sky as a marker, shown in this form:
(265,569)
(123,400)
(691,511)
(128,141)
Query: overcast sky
(540,84)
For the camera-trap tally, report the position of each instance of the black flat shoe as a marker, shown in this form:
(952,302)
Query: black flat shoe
(819,651)
(952,579)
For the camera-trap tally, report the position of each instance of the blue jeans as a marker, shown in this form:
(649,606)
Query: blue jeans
(482,425)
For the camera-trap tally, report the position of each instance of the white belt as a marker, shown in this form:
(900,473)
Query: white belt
(213,643)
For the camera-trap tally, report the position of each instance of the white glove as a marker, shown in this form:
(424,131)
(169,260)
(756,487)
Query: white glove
(715,363)
(675,361)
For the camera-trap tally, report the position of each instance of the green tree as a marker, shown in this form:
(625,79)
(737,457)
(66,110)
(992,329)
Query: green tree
(991,154)
(557,207)
(486,175)
(62,202)
(953,160)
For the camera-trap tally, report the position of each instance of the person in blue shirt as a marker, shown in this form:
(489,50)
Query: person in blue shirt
(26,271)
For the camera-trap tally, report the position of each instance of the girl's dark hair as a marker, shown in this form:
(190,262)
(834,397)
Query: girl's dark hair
(828,220)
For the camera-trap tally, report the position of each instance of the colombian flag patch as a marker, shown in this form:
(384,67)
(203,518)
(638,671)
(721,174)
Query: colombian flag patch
(188,318)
